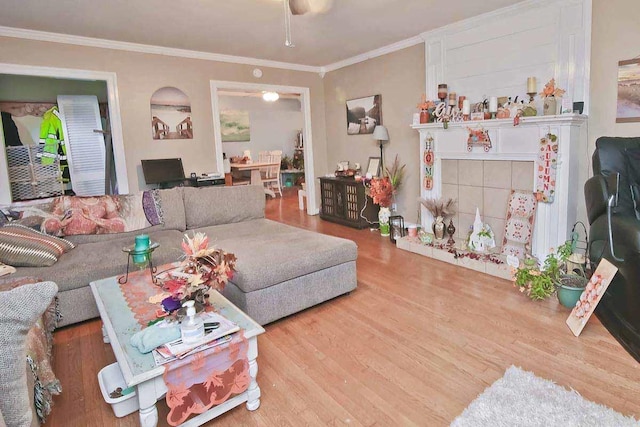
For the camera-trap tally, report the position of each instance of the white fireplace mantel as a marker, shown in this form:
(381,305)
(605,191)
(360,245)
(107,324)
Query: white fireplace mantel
(553,220)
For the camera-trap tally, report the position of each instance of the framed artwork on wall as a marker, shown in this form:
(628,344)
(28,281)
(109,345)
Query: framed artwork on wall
(235,126)
(364,114)
(628,107)
(171,114)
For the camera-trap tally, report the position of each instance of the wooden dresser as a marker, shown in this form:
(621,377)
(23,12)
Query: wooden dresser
(343,200)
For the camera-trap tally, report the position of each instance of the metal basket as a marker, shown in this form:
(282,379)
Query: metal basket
(28,178)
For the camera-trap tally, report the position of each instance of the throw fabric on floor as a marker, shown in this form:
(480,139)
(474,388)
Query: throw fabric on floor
(521,399)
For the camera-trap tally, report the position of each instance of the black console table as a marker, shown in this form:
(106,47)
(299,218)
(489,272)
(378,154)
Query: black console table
(343,199)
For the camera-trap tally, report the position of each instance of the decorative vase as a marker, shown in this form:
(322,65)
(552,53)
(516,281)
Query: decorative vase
(424,116)
(549,107)
(383,220)
(451,230)
(439,228)
(140,250)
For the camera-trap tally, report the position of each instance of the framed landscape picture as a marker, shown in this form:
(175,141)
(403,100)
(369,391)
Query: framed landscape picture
(171,114)
(364,114)
(234,126)
(628,108)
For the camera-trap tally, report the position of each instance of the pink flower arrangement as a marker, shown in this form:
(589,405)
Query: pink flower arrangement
(381,191)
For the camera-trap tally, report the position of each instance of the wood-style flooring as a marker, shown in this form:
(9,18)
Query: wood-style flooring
(414,344)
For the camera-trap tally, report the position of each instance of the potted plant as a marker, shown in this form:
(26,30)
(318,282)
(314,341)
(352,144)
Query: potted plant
(540,283)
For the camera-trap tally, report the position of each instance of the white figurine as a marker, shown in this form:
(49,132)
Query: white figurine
(482,237)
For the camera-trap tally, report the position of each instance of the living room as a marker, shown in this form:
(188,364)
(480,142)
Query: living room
(418,339)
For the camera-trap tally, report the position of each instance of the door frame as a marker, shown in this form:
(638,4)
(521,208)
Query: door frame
(115,117)
(305,103)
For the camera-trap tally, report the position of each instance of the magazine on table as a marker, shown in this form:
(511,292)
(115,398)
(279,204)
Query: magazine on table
(162,355)
(212,332)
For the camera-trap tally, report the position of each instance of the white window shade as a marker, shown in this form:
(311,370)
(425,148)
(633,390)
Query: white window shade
(85,148)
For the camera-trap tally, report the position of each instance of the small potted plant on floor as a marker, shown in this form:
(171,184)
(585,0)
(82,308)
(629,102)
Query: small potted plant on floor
(540,283)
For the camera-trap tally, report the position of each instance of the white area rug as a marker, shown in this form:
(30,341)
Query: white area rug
(520,399)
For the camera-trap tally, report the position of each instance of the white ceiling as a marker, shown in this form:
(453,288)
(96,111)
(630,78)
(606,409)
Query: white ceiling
(249,28)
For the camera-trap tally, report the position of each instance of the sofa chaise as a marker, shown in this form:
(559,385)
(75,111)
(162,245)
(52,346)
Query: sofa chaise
(280,269)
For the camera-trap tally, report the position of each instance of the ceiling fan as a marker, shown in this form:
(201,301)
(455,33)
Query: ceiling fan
(301,7)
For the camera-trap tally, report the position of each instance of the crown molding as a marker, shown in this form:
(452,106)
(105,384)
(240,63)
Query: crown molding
(144,48)
(402,44)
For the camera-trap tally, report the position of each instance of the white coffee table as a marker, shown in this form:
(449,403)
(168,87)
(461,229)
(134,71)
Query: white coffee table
(139,370)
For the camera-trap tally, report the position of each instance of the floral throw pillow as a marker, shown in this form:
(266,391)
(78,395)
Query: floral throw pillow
(521,214)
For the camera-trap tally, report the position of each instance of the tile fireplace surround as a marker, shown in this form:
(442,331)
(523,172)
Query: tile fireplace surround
(484,179)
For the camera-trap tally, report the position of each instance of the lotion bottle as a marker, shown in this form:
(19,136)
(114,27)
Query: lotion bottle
(192,327)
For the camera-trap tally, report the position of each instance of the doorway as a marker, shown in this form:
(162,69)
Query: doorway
(112,107)
(300,141)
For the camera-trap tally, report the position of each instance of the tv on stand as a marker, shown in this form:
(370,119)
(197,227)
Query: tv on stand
(166,173)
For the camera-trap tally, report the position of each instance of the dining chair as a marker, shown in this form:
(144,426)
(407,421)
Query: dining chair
(271,174)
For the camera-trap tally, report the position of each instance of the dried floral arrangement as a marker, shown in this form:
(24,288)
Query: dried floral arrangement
(205,268)
(381,191)
(395,174)
(550,89)
(440,207)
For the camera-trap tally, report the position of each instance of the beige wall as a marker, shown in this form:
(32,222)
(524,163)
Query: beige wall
(615,32)
(140,75)
(400,78)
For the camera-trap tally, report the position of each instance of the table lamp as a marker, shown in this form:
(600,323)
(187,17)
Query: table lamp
(381,134)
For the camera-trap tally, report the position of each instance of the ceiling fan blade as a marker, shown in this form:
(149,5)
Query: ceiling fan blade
(299,7)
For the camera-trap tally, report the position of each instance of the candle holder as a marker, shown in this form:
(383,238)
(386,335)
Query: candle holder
(141,257)
(532,96)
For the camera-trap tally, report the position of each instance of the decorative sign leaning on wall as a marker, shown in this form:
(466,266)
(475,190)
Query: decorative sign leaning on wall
(546,165)
(628,109)
(171,114)
(428,164)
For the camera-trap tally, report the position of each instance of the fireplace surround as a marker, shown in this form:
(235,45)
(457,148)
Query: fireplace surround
(514,147)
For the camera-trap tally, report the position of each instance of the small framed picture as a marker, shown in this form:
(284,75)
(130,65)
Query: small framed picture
(477,116)
(373,167)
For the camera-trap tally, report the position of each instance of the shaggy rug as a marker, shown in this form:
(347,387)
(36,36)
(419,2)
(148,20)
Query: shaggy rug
(520,398)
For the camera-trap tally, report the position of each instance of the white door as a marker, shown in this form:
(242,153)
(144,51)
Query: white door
(85,148)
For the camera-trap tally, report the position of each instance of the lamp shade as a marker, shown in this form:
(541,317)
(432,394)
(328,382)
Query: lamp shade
(380,133)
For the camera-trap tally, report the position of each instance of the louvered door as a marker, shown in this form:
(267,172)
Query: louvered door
(85,148)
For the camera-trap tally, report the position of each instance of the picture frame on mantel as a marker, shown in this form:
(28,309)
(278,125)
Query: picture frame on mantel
(628,106)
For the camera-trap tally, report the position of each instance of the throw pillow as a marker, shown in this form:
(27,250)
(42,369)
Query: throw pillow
(521,214)
(22,246)
(21,308)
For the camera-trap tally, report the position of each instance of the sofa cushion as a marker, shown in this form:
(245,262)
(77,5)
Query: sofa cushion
(21,308)
(632,159)
(19,250)
(269,252)
(173,218)
(98,260)
(206,206)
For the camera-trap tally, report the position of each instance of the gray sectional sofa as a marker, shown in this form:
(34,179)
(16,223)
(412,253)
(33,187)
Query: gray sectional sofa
(280,269)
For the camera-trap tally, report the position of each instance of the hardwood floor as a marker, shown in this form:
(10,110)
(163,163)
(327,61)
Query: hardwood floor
(414,344)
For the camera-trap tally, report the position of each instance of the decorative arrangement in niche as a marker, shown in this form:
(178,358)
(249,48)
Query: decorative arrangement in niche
(546,165)
(235,126)
(171,114)
(364,114)
(628,109)
(518,230)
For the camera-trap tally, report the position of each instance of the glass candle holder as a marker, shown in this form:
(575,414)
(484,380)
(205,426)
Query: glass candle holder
(442,92)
